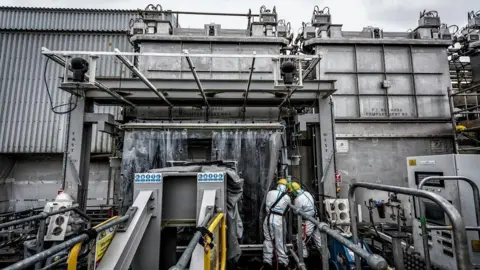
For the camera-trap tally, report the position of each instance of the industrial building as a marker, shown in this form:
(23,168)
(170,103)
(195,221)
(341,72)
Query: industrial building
(121,109)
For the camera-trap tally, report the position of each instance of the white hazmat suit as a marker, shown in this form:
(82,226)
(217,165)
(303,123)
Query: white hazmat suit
(274,226)
(305,202)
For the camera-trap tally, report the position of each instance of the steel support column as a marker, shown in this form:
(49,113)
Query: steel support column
(327,138)
(78,154)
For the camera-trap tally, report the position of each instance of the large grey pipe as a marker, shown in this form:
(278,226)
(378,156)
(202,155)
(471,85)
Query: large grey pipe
(460,234)
(187,254)
(300,264)
(375,261)
(62,246)
(142,77)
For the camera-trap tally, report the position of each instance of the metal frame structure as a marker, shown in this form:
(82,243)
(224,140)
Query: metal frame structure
(459,232)
(383,44)
(169,92)
(471,91)
(476,201)
(375,261)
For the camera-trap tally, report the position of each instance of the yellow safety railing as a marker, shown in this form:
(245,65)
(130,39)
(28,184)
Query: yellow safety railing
(218,255)
(75,251)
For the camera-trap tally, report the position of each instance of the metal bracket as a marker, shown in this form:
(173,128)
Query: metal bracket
(305,119)
(105,122)
(131,213)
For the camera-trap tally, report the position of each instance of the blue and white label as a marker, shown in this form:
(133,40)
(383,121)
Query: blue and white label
(210,177)
(148,178)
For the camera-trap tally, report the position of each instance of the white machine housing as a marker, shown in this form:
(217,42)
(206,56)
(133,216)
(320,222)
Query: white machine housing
(459,193)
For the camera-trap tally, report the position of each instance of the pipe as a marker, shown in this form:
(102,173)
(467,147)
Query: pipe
(42,215)
(62,260)
(62,246)
(82,214)
(187,254)
(449,228)
(154,54)
(460,234)
(40,240)
(204,13)
(426,247)
(375,261)
(7,214)
(144,79)
(397,251)
(252,68)
(300,265)
(197,80)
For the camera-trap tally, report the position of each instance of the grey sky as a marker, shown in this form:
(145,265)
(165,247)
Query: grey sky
(391,15)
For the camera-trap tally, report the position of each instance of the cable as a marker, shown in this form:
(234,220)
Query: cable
(53,108)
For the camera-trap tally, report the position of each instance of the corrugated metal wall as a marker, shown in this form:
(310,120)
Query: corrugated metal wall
(27,125)
(65,19)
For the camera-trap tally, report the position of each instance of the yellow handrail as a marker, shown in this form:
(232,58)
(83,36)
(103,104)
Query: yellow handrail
(75,251)
(218,220)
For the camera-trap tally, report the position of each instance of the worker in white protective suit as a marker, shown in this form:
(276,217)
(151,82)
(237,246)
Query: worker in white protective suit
(305,202)
(274,229)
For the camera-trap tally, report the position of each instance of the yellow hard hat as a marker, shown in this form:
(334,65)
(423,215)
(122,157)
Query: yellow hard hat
(282,181)
(294,187)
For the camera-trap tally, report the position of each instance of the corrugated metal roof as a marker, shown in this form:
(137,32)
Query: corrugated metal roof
(37,19)
(27,125)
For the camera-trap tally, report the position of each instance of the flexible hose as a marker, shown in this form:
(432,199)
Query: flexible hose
(72,260)
(73,257)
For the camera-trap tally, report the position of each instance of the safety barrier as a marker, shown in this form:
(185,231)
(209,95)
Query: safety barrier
(216,257)
(84,236)
(374,261)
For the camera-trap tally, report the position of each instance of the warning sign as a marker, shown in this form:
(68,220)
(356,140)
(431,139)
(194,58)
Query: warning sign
(476,245)
(102,243)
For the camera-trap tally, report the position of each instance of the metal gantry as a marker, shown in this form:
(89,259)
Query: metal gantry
(464,107)
(143,91)
(232,92)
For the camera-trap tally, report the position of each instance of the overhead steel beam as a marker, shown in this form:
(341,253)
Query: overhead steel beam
(197,80)
(203,13)
(102,53)
(141,76)
(59,60)
(252,68)
(307,72)
(223,92)
(208,126)
(212,85)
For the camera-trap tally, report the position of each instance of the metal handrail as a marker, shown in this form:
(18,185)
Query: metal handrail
(475,189)
(219,220)
(460,234)
(64,245)
(187,254)
(299,264)
(476,200)
(375,261)
(40,216)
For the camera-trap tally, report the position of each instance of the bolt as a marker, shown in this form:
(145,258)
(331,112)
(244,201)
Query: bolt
(152,198)
(152,207)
